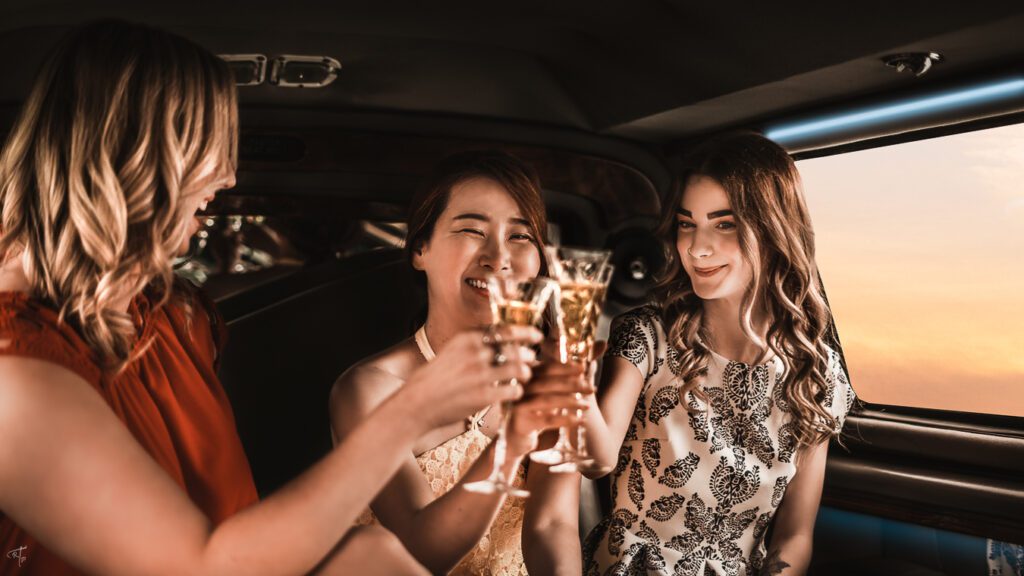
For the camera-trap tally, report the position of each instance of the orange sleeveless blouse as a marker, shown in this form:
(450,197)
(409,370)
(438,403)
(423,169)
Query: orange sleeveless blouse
(169,398)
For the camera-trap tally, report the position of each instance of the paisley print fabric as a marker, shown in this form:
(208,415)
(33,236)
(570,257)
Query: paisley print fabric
(694,491)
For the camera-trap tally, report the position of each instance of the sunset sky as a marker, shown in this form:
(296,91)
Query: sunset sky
(921,249)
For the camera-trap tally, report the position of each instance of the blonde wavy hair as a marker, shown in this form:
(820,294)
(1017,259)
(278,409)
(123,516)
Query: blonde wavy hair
(776,238)
(123,123)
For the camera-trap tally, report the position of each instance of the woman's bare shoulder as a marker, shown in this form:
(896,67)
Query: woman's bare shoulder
(371,380)
(33,390)
(28,376)
(37,395)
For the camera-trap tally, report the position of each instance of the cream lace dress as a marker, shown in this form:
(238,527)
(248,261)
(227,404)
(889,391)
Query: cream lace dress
(500,551)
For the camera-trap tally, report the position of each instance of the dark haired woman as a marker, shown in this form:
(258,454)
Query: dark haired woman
(480,213)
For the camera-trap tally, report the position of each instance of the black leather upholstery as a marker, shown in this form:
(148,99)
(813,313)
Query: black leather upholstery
(290,339)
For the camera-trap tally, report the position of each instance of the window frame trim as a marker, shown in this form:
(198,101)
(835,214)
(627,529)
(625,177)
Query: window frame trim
(979,422)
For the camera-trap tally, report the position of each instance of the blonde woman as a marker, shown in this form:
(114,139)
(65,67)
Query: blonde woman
(118,453)
(718,401)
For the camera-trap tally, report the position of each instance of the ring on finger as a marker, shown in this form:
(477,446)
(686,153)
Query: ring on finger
(491,336)
(499,358)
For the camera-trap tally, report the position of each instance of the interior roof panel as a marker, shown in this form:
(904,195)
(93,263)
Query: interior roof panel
(655,70)
(985,49)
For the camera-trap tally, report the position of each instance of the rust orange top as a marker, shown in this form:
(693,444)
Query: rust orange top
(169,398)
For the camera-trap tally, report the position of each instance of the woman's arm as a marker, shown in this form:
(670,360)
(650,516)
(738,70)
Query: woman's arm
(792,538)
(610,412)
(72,475)
(551,533)
(440,532)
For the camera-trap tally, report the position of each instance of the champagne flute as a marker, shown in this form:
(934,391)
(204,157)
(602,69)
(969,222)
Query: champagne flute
(522,303)
(580,459)
(582,276)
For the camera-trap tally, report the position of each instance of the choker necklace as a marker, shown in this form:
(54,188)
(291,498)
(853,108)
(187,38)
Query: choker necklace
(424,345)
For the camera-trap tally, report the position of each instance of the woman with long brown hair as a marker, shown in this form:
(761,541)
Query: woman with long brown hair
(118,452)
(717,402)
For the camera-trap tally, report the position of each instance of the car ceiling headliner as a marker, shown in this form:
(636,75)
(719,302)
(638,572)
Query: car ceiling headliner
(653,71)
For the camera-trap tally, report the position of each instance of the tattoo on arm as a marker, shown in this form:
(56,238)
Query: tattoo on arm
(773,565)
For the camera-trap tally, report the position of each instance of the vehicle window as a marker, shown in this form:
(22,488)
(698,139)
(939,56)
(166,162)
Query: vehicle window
(233,253)
(921,248)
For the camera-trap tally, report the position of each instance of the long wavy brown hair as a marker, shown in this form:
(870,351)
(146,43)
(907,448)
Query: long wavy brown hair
(776,238)
(123,122)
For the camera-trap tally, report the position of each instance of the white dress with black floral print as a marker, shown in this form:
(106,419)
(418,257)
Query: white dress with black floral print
(694,491)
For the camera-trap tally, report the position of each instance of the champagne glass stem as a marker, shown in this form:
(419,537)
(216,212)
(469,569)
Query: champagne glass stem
(557,454)
(501,445)
(563,444)
(520,303)
(560,456)
(581,437)
(496,482)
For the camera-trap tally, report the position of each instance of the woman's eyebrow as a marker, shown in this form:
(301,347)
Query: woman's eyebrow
(711,215)
(483,218)
(471,216)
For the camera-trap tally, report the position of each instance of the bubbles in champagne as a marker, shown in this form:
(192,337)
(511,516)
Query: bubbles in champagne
(581,309)
(519,313)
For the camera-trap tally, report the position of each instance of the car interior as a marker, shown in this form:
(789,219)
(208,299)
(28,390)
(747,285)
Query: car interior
(346,106)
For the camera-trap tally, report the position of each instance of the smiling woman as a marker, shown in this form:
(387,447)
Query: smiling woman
(451,259)
(220,178)
(716,263)
(480,214)
(718,400)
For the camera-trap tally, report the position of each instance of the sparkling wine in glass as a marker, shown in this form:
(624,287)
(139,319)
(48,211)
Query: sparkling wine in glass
(582,276)
(580,347)
(520,303)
